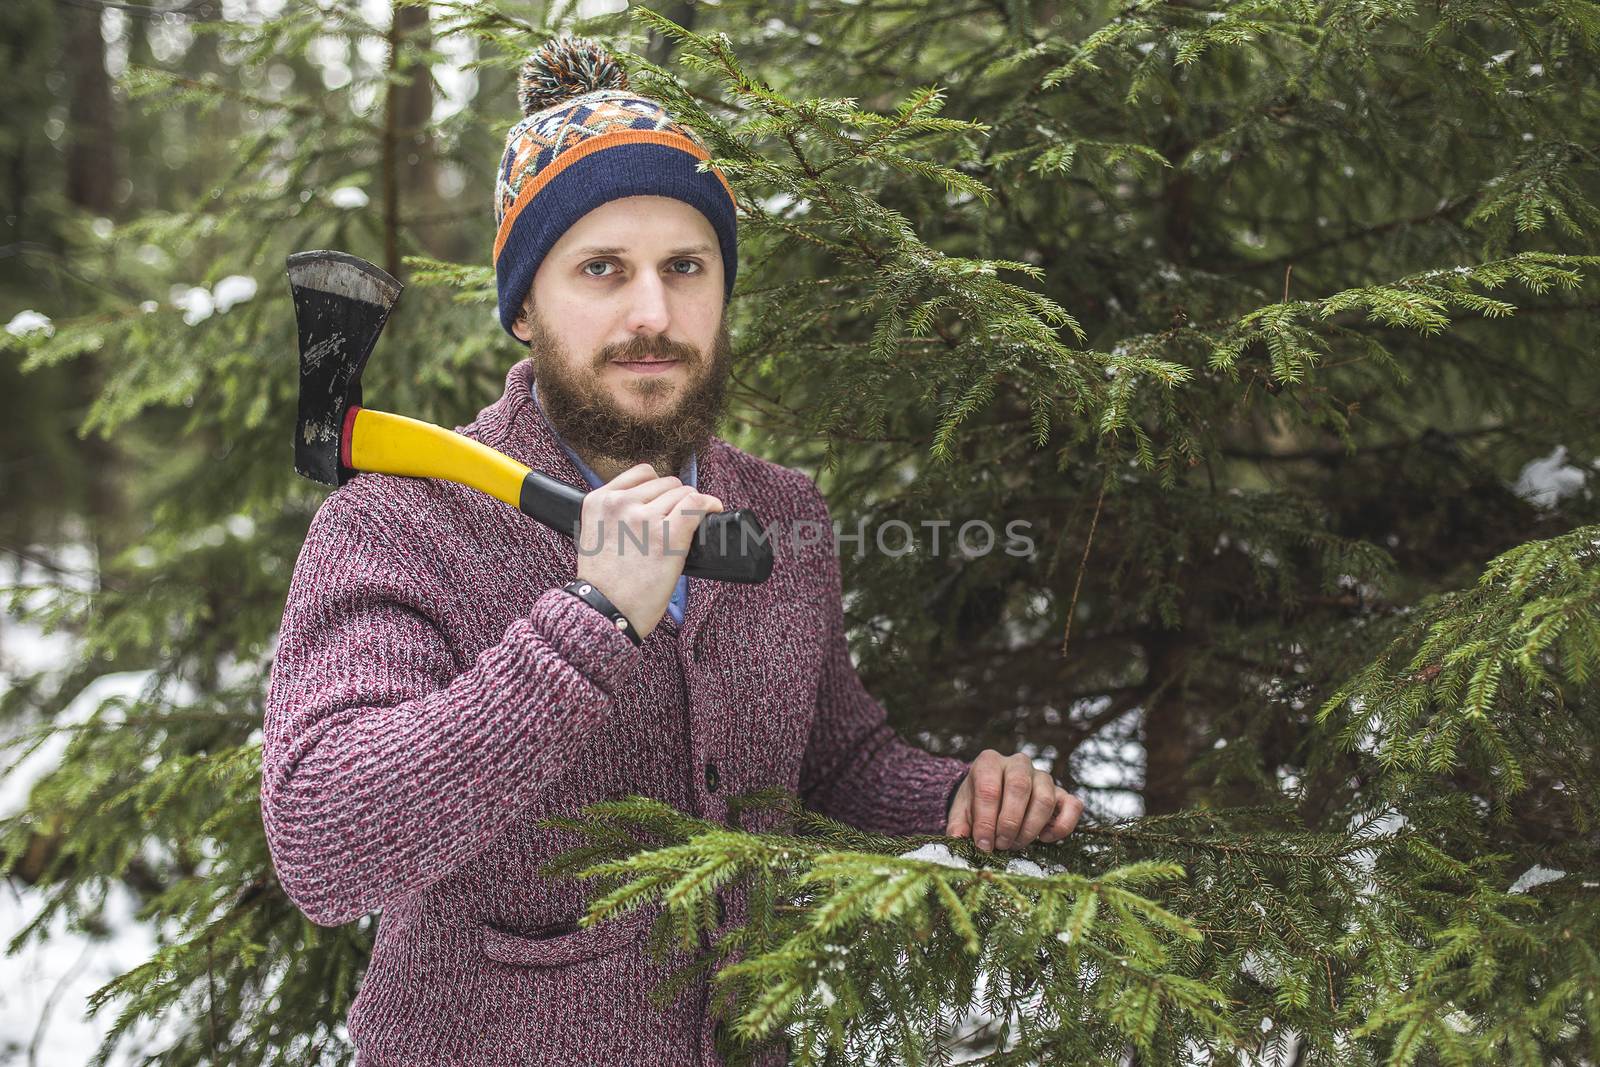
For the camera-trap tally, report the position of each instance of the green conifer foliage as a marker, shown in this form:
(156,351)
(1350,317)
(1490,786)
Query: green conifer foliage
(1273,324)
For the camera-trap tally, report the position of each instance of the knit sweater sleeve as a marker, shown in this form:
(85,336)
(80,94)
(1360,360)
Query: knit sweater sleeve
(856,768)
(382,767)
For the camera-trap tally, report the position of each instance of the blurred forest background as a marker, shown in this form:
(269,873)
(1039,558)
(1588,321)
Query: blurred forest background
(1293,333)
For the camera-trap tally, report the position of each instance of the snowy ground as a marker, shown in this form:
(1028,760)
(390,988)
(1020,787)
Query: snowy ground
(43,997)
(44,988)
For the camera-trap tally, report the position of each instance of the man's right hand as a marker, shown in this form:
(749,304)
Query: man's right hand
(636,509)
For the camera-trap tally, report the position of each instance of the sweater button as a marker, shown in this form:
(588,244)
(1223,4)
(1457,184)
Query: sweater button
(711,777)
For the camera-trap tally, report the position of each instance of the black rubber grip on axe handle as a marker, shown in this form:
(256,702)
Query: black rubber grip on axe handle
(729,546)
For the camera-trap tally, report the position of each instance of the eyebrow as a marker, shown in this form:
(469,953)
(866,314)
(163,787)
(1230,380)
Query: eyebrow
(691,250)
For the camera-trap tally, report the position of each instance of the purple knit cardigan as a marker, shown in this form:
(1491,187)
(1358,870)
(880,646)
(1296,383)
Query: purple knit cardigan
(434,693)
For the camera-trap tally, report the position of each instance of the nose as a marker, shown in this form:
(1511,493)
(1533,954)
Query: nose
(648,313)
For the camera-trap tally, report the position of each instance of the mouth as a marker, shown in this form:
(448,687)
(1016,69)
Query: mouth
(648,366)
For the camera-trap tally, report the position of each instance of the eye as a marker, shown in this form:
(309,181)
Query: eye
(607,263)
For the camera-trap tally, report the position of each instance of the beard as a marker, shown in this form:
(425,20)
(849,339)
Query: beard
(580,407)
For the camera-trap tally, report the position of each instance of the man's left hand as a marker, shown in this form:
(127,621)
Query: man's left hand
(1006,801)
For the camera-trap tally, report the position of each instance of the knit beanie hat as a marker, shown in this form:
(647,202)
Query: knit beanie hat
(585,139)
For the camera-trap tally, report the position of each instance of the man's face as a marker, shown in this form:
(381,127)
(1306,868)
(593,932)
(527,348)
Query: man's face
(625,325)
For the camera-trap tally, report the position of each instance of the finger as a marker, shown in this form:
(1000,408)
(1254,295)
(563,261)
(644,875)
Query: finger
(1016,794)
(647,491)
(684,522)
(667,519)
(960,824)
(1052,831)
(1042,807)
(663,505)
(685,516)
(1068,810)
(706,503)
(637,531)
(986,779)
(634,475)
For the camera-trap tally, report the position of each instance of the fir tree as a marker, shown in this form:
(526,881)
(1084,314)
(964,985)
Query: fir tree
(1265,317)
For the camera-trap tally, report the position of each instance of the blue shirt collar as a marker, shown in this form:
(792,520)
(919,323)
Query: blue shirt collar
(689,474)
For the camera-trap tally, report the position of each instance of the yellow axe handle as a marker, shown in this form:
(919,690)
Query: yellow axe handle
(385,443)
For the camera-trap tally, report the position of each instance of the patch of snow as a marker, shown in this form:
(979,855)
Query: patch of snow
(234,289)
(196,302)
(1259,967)
(1535,875)
(780,203)
(934,852)
(29,321)
(1545,481)
(1024,866)
(349,197)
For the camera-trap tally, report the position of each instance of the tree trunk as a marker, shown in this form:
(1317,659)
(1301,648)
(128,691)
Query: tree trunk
(1165,733)
(418,166)
(409,167)
(658,47)
(91,128)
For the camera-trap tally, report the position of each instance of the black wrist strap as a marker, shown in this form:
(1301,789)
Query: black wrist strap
(587,593)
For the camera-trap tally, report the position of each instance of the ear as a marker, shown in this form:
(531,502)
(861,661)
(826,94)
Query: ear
(520,325)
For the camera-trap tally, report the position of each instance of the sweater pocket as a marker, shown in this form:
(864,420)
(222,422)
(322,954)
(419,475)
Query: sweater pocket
(564,943)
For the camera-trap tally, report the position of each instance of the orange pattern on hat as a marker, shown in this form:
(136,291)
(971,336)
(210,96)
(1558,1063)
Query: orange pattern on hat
(595,144)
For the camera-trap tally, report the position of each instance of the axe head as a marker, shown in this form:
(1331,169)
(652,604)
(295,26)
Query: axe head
(340,305)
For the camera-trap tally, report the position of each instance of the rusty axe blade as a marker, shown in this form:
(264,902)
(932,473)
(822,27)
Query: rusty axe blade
(341,303)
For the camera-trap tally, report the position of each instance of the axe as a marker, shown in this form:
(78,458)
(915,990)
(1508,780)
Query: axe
(341,303)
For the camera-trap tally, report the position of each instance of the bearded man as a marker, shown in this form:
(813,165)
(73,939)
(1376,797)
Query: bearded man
(450,672)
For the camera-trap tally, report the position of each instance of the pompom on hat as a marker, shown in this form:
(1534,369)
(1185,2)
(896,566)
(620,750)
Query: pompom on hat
(585,138)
